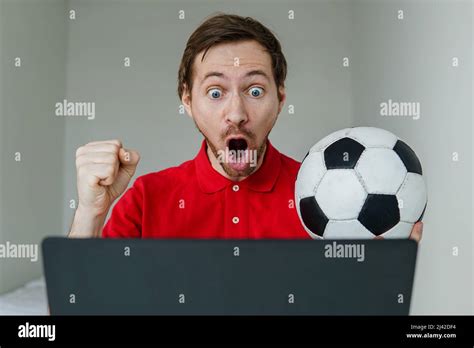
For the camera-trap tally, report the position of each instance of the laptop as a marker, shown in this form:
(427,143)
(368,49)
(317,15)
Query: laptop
(228,277)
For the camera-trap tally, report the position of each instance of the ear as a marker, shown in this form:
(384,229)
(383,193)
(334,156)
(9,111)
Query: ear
(282,93)
(186,100)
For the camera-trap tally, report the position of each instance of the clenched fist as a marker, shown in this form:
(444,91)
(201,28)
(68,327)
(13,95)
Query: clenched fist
(104,170)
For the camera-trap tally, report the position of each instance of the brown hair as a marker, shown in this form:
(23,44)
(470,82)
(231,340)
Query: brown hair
(222,28)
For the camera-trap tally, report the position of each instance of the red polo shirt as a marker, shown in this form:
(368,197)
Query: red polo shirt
(194,201)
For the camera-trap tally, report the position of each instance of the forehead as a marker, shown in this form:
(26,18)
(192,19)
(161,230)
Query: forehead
(250,55)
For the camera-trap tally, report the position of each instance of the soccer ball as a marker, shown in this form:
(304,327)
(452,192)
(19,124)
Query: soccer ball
(359,183)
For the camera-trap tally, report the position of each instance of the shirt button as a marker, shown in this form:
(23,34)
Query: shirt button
(235,188)
(235,220)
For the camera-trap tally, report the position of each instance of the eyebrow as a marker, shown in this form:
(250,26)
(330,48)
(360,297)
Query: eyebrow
(249,74)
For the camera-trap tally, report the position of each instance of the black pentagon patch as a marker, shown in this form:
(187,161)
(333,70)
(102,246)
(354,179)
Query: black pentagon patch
(379,213)
(343,154)
(408,157)
(422,213)
(313,217)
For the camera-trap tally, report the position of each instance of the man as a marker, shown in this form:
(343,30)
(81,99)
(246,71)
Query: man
(231,83)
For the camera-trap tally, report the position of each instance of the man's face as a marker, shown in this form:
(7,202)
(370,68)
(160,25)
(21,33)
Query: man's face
(234,103)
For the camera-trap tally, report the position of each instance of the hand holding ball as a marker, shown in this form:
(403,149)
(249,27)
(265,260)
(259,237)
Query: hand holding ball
(359,183)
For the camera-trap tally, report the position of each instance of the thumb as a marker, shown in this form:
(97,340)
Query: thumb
(129,160)
(129,157)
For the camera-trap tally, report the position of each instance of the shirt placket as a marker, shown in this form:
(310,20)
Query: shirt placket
(236,211)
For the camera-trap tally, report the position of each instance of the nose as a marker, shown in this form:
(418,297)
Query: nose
(236,113)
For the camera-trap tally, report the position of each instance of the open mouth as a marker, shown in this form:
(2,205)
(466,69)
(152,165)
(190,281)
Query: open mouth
(237,144)
(237,157)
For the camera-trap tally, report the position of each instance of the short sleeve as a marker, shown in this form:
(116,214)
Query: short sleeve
(126,218)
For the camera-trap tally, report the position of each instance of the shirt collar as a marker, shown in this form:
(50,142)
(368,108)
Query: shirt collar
(263,180)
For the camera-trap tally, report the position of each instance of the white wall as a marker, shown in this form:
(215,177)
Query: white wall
(472,117)
(410,60)
(1,127)
(31,190)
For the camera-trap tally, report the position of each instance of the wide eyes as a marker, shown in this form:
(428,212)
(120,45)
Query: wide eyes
(256,92)
(216,93)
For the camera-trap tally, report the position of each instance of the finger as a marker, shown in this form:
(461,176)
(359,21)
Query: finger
(97,157)
(417,231)
(420,228)
(110,179)
(102,147)
(379,237)
(112,141)
(98,173)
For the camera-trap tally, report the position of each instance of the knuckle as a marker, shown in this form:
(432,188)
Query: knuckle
(114,148)
(110,158)
(80,170)
(78,162)
(110,170)
(79,151)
